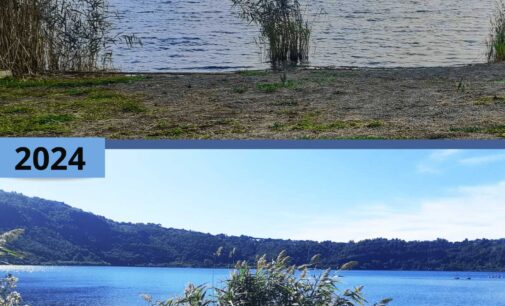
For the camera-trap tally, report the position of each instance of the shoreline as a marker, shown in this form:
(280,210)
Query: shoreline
(269,70)
(231,268)
(459,102)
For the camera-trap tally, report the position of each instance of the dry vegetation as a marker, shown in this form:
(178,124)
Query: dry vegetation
(496,42)
(462,102)
(48,36)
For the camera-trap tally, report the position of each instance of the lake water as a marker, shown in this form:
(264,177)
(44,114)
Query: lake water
(207,35)
(113,286)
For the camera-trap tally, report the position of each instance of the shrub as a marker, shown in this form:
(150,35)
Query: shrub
(282,27)
(496,42)
(8,295)
(274,283)
(7,237)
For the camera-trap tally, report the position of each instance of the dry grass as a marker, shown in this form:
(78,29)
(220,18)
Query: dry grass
(315,104)
(21,37)
(39,36)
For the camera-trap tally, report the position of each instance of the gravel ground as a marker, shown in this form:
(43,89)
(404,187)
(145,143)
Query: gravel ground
(426,103)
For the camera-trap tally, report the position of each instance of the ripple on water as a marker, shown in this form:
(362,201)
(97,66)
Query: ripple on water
(183,35)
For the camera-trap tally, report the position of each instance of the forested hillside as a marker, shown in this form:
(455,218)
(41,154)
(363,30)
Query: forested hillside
(59,234)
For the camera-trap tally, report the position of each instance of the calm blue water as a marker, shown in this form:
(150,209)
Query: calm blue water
(207,35)
(122,286)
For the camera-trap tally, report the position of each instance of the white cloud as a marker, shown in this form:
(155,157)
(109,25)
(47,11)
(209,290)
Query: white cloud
(432,164)
(442,155)
(428,169)
(472,212)
(482,159)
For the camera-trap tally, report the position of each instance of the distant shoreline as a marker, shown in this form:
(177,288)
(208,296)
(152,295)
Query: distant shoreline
(231,268)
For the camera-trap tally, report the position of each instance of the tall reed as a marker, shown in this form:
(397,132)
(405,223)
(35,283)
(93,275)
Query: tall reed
(282,27)
(271,283)
(21,37)
(38,36)
(496,41)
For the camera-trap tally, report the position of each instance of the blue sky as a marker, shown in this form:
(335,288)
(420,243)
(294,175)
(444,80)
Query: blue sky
(337,195)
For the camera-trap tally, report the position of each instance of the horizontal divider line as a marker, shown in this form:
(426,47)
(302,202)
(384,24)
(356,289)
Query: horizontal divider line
(304,144)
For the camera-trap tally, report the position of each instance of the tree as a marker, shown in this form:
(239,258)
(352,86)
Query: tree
(7,237)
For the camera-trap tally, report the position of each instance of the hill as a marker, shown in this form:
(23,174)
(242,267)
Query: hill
(57,233)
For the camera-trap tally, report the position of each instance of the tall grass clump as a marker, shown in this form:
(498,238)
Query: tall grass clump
(38,36)
(21,36)
(273,283)
(283,29)
(496,42)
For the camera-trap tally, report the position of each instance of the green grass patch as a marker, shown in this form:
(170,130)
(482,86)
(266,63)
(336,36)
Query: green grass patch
(487,100)
(240,89)
(312,123)
(165,129)
(277,126)
(34,124)
(66,82)
(60,111)
(272,87)
(359,137)
(323,77)
(496,130)
(468,129)
(57,105)
(253,73)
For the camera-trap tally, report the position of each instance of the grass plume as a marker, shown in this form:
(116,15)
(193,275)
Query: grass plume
(274,282)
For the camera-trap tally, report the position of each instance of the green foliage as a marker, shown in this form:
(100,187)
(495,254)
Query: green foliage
(273,283)
(496,42)
(56,233)
(240,89)
(8,295)
(312,122)
(58,105)
(193,296)
(67,82)
(8,237)
(272,87)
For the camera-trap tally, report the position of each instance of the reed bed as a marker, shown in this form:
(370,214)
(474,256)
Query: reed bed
(273,282)
(282,28)
(21,37)
(39,36)
(496,42)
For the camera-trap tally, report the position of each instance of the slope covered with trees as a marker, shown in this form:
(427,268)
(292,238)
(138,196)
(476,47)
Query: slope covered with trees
(56,233)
